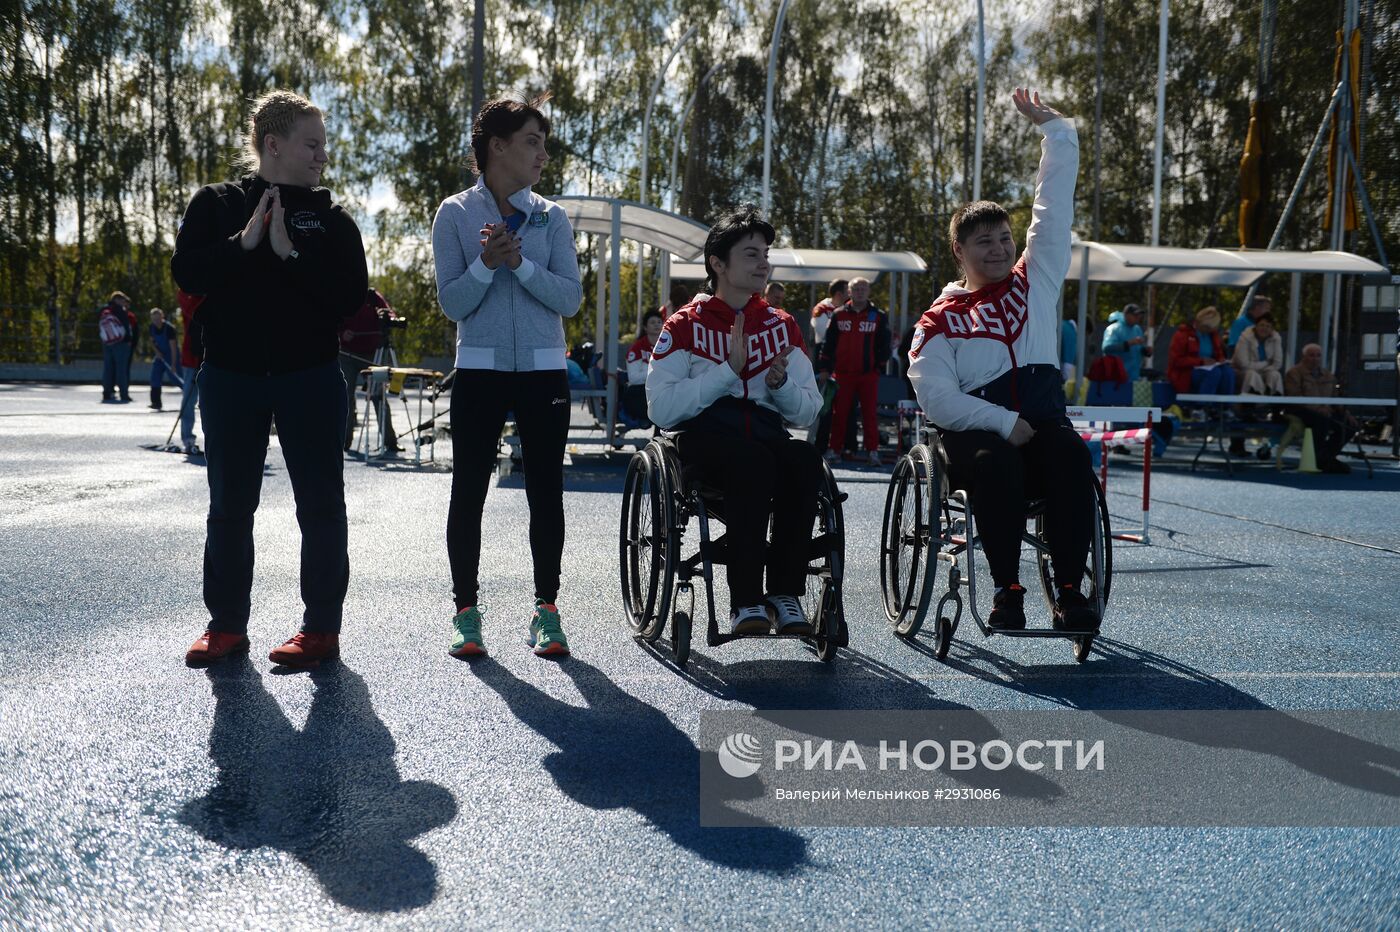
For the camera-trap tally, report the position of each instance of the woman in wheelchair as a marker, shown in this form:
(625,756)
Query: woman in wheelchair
(985,368)
(726,372)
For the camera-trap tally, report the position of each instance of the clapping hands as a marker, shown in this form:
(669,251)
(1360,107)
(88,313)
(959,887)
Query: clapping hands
(499,245)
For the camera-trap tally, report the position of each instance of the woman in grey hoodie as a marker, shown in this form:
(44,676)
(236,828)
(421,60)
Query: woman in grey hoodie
(507,273)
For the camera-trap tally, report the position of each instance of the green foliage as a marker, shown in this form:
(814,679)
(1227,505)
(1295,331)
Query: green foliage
(114,111)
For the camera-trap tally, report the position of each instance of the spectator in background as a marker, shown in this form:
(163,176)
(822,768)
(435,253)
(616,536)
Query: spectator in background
(1258,359)
(1196,359)
(191,358)
(681,294)
(1258,308)
(1069,348)
(115,326)
(639,353)
(166,363)
(1125,339)
(856,347)
(775,294)
(836,295)
(360,337)
(1330,425)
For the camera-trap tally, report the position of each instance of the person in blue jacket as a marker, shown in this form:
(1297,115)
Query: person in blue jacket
(1124,338)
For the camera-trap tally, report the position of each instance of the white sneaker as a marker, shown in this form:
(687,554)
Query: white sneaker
(750,619)
(875,458)
(788,615)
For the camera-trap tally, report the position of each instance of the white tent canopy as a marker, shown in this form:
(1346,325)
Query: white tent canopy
(660,229)
(1233,268)
(1118,263)
(819,266)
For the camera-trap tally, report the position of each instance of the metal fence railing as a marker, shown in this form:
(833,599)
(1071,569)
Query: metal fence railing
(31,333)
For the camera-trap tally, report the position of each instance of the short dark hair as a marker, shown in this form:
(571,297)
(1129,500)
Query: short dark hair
(1131,309)
(502,118)
(733,226)
(974,217)
(681,293)
(1269,318)
(649,315)
(837,285)
(775,284)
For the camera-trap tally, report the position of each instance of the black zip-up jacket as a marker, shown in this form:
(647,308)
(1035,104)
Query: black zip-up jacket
(263,315)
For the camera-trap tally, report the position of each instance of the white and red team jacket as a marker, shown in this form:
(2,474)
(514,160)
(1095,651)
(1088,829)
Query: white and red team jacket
(981,359)
(638,358)
(822,314)
(690,368)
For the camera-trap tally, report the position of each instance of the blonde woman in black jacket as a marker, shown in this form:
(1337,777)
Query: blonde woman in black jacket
(280,265)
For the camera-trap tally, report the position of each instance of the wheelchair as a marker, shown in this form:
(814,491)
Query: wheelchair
(926,525)
(659,500)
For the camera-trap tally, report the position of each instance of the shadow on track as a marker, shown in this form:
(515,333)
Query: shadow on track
(329,795)
(620,753)
(1157,682)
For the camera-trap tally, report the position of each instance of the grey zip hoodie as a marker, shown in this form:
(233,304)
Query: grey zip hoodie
(507,320)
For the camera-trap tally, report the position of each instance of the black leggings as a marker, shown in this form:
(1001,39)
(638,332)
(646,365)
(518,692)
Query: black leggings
(481,398)
(780,479)
(1055,466)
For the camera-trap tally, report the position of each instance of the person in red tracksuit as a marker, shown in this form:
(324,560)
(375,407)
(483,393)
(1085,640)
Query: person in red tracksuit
(727,373)
(856,348)
(986,370)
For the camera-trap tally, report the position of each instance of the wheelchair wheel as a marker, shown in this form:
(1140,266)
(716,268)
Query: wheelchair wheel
(1100,566)
(910,535)
(1082,646)
(944,638)
(822,601)
(680,638)
(648,544)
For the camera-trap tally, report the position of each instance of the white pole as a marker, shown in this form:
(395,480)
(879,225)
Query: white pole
(646,145)
(1295,292)
(1161,119)
(768,109)
(612,336)
(1081,338)
(981,104)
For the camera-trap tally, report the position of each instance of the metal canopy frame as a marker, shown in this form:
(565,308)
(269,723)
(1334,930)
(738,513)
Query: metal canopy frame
(1115,263)
(819,266)
(616,219)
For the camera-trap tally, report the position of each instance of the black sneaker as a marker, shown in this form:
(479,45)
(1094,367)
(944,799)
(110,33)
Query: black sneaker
(1008,609)
(1336,468)
(1073,612)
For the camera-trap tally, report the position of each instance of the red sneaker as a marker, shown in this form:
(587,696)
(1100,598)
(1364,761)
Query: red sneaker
(307,649)
(214,645)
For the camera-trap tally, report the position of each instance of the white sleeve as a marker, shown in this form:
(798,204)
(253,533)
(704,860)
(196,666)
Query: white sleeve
(1048,239)
(935,377)
(674,396)
(819,325)
(797,399)
(636,370)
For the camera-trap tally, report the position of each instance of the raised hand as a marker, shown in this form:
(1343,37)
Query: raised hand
(777,372)
(738,345)
(278,236)
(253,231)
(1028,102)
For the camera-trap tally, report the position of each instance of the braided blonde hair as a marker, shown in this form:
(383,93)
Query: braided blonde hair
(274,112)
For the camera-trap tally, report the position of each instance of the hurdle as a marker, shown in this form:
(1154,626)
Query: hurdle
(1133,436)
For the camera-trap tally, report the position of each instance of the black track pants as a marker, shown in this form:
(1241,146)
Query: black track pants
(481,398)
(780,479)
(1054,465)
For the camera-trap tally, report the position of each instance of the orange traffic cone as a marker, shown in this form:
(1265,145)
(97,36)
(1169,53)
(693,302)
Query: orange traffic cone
(1308,461)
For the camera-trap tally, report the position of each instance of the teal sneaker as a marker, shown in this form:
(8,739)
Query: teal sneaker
(546,634)
(466,642)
